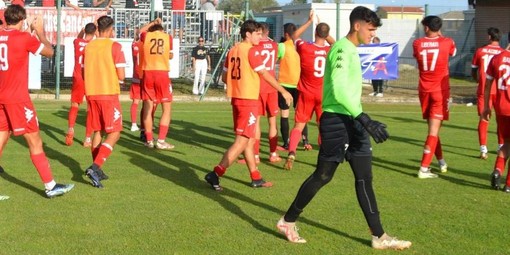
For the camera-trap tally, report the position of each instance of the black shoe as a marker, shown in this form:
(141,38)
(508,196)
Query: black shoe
(101,175)
(213,179)
(495,180)
(506,189)
(143,137)
(260,184)
(94,178)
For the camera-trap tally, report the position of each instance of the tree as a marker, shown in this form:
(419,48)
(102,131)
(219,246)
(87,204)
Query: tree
(236,6)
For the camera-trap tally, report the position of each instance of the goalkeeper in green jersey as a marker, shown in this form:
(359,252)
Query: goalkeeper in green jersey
(345,130)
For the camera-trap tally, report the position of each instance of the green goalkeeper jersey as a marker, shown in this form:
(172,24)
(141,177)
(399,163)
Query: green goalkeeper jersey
(342,80)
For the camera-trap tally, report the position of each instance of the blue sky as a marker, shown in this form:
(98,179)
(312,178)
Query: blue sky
(459,3)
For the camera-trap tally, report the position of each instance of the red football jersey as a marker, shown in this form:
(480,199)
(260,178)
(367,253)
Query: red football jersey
(135,50)
(498,70)
(481,59)
(79,46)
(268,49)
(432,56)
(14,49)
(313,64)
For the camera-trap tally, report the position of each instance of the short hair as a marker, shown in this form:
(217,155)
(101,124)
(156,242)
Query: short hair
(376,39)
(434,23)
(249,26)
(288,28)
(494,34)
(155,27)
(104,23)
(90,28)
(362,13)
(14,14)
(322,30)
(264,26)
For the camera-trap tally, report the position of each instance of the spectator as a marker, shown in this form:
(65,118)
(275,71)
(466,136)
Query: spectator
(131,4)
(106,4)
(201,64)
(179,17)
(377,84)
(207,25)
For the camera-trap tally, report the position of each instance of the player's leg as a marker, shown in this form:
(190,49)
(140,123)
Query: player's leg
(432,111)
(164,125)
(71,120)
(196,78)
(284,120)
(503,152)
(256,144)
(134,94)
(483,126)
(295,134)
(4,136)
(256,177)
(87,142)
(203,72)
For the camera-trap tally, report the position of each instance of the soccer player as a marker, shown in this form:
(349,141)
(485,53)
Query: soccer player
(157,87)
(498,70)
(288,77)
(244,67)
(104,65)
(481,60)
(432,53)
(135,92)
(78,87)
(313,61)
(17,113)
(344,130)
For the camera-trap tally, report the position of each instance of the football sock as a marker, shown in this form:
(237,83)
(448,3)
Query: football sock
(134,107)
(295,134)
(483,125)
(439,149)
(284,129)
(273,143)
(500,164)
(163,131)
(104,152)
(73,113)
(50,185)
(483,148)
(42,165)
(256,147)
(431,143)
(219,170)
(142,126)
(94,151)
(149,136)
(255,175)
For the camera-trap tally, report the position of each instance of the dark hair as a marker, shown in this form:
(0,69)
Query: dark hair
(494,34)
(249,26)
(362,13)
(155,27)
(322,30)
(264,26)
(288,28)
(434,23)
(14,14)
(90,28)
(104,23)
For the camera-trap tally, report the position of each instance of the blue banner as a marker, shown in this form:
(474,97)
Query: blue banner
(379,61)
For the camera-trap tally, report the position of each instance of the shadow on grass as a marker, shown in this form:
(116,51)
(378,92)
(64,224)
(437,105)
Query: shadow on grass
(6,176)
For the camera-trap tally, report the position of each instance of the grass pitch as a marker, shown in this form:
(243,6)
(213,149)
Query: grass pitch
(156,202)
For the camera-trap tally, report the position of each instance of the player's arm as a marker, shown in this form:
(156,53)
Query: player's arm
(474,73)
(486,114)
(38,26)
(281,50)
(81,34)
(120,61)
(303,27)
(69,4)
(264,74)
(145,27)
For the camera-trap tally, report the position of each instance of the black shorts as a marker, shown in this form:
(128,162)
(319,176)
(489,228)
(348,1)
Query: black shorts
(281,101)
(342,137)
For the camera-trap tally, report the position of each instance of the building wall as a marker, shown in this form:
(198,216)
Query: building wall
(394,15)
(492,16)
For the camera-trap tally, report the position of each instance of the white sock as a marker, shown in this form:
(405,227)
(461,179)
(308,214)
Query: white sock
(50,185)
(483,149)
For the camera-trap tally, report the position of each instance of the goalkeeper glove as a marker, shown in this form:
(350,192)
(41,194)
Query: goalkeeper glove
(376,129)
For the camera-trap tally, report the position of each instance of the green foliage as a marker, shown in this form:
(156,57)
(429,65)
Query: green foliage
(158,203)
(237,6)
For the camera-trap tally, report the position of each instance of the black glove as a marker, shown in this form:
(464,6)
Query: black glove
(376,129)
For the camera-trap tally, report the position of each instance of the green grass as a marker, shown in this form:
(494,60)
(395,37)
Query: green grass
(157,202)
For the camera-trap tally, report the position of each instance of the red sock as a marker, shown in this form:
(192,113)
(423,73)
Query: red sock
(42,165)
(73,113)
(431,142)
(500,164)
(142,126)
(94,151)
(295,134)
(273,143)
(256,147)
(104,152)
(482,132)
(133,112)
(439,149)
(148,135)
(255,175)
(220,170)
(163,131)
(88,128)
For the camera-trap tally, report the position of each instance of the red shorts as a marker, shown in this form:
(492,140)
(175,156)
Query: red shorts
(18,118)
(434,105)
(503,124)
(307,104)
(245,118)
(77,91)
(480,103)
(157,86)
(268,104)
(105,115)
(135,91)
